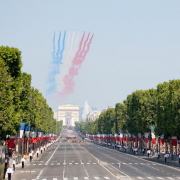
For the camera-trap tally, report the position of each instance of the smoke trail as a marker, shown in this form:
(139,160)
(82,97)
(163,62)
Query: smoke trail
(76,60)
(76,64)
(63,46)
(64,70)
(58,49)
(53,53)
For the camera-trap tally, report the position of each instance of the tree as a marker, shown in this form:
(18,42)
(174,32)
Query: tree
(9,119)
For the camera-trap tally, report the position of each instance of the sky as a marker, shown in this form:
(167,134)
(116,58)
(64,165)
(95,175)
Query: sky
(136,45)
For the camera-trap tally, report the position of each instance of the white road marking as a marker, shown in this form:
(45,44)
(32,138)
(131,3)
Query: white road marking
(76,163)
(75,178)
(169,178)
(44,179)
(159,177)
(139,177)
(150,178)
(32,171)
(96,178)
(34,164)
(70,163)
(112,163)
(39,174)
(58,163)
(86,178)
(52,155)
(39,164)
(54,178)
(82,163)
(106,178)
(88,163)
(94,163)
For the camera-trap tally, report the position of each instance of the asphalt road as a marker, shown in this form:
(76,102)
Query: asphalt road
(80,161)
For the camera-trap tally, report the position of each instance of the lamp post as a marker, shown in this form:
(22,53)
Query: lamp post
(8,140)
(166,146)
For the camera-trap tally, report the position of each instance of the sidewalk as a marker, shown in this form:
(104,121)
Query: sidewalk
(151,158)
(19,165)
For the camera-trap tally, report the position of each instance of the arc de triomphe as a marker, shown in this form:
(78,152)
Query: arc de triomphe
(69,114)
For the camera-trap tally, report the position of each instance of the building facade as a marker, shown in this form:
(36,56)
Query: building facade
(92,116)
(69,114)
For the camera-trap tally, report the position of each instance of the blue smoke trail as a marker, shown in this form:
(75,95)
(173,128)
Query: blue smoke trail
(51,78)
(53,54)
(58,50)
(57,60)
(61,52)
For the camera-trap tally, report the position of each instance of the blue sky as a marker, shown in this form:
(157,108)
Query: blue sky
(136,44)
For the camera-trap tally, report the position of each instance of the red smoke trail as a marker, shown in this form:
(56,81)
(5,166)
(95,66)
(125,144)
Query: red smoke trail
(76,64)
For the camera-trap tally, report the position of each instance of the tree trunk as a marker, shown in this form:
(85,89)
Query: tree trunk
(171,148)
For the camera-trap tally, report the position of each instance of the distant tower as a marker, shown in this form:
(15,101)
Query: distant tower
(86,111)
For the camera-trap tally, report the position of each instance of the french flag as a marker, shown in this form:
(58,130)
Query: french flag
(22,130)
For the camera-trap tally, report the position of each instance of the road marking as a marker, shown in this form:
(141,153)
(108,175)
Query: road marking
(88,163)
(44,179)
(52,155)
(159,177)
(39,174)
(75,178)
(54,178)
(70,163)
(96,178)
(58,163)
(139,177)
(112,163)
(32,171)
(82,163)
(39,164)
(169,178)
(106,178)
(150,178)
(94,163)
(76,163)
(86,178)
(34,164)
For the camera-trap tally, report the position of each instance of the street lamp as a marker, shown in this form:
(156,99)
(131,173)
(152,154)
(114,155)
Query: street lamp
(8,140)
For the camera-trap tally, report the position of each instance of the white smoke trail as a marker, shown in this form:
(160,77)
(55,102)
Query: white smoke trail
(66,62)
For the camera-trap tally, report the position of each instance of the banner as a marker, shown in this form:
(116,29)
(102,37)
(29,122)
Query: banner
(121,135)
(22,130)
(134,138)
(174,141)
(27,130)
(146,137)
(162,139)
(153,135)
(33,136)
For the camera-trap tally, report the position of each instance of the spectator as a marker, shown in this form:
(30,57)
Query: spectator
(9,172)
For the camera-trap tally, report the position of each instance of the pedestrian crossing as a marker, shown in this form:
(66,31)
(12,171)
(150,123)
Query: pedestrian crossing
(71,147)
(88,163)
(74,178)
(70,163)
(101,178)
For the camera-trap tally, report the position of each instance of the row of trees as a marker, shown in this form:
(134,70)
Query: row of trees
(19,101)
(142,109)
